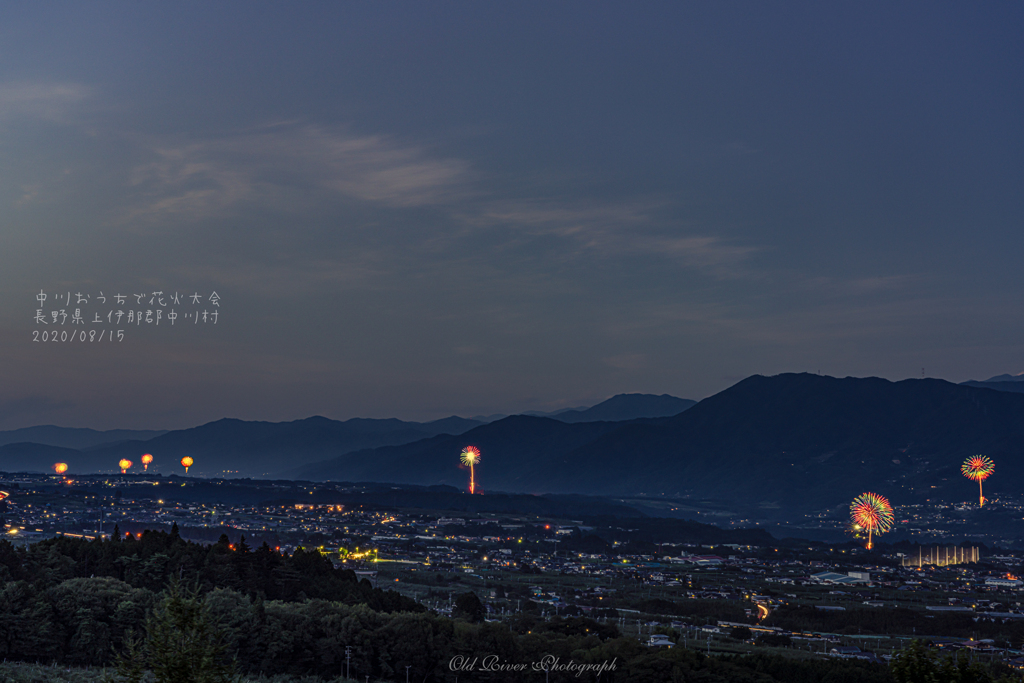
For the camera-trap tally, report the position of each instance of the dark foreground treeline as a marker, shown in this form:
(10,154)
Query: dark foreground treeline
(82,621)
(77,603)
(150,561)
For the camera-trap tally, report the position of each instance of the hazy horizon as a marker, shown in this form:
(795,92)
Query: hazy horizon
(496,415)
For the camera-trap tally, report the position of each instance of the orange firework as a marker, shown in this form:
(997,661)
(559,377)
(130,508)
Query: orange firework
(146,459)
(186,462)
(124,465)
(60,467)
(872,513)
(471,456)
(978,468)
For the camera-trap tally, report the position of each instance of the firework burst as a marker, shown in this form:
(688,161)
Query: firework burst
(470,457)
(872,513)
(978,468)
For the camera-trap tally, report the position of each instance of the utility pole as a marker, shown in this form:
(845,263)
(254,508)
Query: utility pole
(407,672)
(348,661)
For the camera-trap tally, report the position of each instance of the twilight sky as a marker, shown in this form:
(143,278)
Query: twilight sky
(424,209)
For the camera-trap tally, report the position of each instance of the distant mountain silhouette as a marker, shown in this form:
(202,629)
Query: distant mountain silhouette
(519,453)
(236,447)
(1005,382)
(1006,378)
(551,413)
(615,409)
(449,425)
(35,457)
(67,437)
(794,441)
(1013,386)
(628,407)
(493,417)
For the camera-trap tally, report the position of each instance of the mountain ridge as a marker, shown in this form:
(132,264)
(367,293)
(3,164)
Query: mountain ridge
(225,445)
(615,409)
(796,440)
(74,437)
(623,407)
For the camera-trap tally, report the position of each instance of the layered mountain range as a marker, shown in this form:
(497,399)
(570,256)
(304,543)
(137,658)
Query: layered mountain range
(797,442)
(1005,382)
(230,447)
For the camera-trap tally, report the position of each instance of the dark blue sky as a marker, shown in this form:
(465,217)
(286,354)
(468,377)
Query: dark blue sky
(422,209)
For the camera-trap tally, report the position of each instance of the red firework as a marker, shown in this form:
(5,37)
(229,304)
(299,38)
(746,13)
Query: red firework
(873,513)
(978,468)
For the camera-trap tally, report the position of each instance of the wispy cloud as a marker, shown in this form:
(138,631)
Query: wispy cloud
(283,164)
(290,166)
(616,229)
(49,101)
(702,251)
(307,169)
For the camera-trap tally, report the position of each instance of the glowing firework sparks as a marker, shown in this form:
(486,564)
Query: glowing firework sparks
(471,456)
(146,459)
(978,468)
(124,465)
(60,467)
(871,512)
(186,462)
